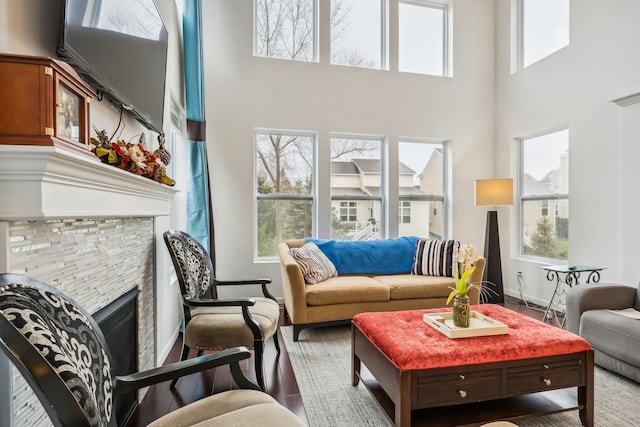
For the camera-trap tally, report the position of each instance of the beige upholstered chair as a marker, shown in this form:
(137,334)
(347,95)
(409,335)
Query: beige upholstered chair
(217,324)
(61,352)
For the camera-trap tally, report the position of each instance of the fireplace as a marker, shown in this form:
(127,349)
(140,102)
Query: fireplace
(119,324)
(90,230)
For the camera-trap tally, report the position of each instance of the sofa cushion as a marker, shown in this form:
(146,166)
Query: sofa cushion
(347,289)
(613,334)
(314,264)
(388,256)
(434,257)
(410,286)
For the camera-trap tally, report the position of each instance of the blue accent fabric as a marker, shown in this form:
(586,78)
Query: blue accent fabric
(390,256)
(193,60)
(197,186)
(198,193)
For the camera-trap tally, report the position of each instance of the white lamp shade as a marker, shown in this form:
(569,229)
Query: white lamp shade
(494,192)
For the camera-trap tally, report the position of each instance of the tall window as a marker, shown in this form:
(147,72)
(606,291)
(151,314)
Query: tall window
(544,189)
(423,37)
(358,33)
(286,29)
(356,193)
(543,29)
(284,176)
(422,184)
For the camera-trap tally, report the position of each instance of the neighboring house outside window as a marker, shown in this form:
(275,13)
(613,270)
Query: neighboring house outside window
(285,195)
(286,29)
(422,178)
(356,178)
(423,37)
(544,185)
(543,29)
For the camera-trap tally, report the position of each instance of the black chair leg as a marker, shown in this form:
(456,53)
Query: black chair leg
(185,352)
(257,354)
(183,356)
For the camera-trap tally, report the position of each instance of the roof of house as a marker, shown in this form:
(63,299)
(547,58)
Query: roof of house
(546,185)
(365,166)
(343,168)
(374,191)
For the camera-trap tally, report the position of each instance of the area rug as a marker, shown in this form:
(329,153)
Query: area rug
(321,361)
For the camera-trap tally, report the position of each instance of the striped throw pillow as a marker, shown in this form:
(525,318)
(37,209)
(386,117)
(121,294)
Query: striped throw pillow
(435,257)
(314,264)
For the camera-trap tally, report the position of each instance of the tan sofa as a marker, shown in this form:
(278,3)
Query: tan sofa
(337,299)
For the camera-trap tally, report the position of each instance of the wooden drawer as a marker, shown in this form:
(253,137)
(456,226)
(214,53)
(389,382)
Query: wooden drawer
(544,376)
(460,387)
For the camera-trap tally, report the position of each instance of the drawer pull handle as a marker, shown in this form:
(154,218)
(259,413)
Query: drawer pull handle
(462,393)
(461,376)
(547,381)
(545,366)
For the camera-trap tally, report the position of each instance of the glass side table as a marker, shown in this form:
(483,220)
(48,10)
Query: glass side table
(568,276)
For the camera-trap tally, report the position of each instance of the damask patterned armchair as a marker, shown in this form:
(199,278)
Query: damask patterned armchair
(217,324)
(61,352)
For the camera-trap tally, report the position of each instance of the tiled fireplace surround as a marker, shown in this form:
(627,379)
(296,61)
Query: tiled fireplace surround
(87,228)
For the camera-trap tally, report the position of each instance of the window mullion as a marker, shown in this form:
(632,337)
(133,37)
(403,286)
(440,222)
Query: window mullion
(545,197)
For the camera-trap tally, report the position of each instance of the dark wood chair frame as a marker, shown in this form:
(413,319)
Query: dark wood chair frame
(56,398)
(202,301)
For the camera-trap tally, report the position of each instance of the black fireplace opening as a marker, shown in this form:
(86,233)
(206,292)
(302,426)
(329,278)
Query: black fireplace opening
(119,324)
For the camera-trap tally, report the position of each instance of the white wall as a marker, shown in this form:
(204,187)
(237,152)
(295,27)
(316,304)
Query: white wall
(574,86)
(30,27)
(481,110)
(244,92)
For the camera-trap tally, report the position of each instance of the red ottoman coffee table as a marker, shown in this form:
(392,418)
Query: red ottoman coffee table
(418,367)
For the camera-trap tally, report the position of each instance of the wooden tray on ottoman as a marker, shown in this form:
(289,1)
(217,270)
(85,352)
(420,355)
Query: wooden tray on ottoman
(479,325)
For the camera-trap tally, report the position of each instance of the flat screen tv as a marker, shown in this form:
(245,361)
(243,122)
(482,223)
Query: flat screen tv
(120,48)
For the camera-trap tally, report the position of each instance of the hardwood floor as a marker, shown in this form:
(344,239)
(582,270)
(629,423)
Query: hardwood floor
(280,379)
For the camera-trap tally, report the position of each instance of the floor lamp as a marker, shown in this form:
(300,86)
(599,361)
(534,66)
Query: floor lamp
(493,192)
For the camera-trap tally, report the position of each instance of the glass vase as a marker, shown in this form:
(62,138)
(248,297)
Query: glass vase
(461,311)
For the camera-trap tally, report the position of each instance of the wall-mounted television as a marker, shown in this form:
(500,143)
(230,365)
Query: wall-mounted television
(120,48)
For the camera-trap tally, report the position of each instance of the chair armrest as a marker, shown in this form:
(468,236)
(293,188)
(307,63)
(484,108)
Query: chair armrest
(596,297)
(231,357)
(238,302)
(262,282)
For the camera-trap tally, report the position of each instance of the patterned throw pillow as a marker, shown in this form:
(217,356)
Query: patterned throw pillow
(434,257)
(315,265)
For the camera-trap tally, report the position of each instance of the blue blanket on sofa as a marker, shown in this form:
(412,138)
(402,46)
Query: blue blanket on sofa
(390,256)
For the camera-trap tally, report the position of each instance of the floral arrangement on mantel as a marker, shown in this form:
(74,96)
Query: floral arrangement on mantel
(134,158)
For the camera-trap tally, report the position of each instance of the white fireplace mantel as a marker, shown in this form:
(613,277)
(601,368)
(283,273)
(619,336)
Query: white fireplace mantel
(39,182)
